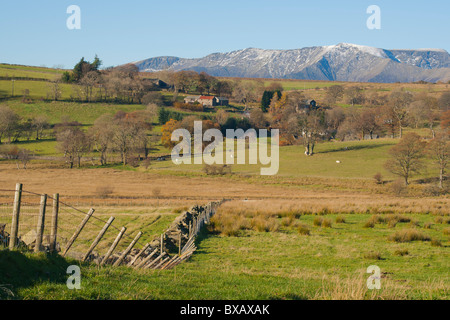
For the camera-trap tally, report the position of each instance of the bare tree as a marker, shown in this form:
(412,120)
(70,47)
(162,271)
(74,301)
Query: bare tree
(74,143)
(398,104)
(102,133)
(54,90)
(312,127)
(9,123)
(439,150)
(407,157)
(39,124)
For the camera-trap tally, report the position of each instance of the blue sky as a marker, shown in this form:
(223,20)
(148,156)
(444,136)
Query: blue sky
(35,33)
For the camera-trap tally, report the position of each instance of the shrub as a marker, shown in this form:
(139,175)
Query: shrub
(446,231)
(369,224)
(439,220)
(373,256)
(427,225)
(288,221)
(262,224)
(340,219)
(398,188)
(317,221)
(401,252)
(303,230)
(213,170)
(326,223)
(378,178)
(392,223)
(436,243)
(408,235)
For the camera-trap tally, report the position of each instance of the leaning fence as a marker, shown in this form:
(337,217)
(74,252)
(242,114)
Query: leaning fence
(45,223)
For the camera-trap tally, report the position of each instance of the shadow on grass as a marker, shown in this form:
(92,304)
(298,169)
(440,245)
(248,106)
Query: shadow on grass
(358,147)
(22,270)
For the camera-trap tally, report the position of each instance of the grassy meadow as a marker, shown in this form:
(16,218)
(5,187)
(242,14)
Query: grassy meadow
(309,232)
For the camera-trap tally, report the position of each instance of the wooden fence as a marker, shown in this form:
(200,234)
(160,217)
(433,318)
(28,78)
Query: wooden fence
(45,228)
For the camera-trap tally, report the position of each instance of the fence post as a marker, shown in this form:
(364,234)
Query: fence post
(179,243)
(113,246)
(99,237)
(124,254)
(54,230)
(162,242)
(139,254)
(15,217)
(77,233)
(40,223)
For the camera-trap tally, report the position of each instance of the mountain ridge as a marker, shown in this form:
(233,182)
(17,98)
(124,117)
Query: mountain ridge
(341,62)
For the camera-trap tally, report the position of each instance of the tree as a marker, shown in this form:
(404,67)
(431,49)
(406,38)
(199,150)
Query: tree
(257,118)
(334,93)
(439,151)
(398,104)
(407,157)
(54,90)
(102,133)
(74,143)
(312,128)
(129,134)
(39,124)
(354,95)
(9,123)
(166,131)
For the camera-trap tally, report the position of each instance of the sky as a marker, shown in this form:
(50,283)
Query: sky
(35,32)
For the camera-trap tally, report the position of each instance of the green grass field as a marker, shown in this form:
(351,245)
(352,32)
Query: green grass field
(330,263)
(282,263)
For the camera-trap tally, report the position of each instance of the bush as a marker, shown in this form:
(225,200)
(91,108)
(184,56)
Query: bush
(369,224)
(398,188)
(427,225)
(401,252)
(303,230)
(408,235)
(373,256)
(288,221)
(213,170)
(436,243)
(378,178)
(340,219)
(446,231)
(317,221)
(326,223)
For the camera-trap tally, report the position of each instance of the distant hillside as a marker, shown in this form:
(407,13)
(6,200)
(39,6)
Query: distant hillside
(342,62)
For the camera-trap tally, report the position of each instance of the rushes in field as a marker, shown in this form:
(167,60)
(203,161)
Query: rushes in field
(408,235)
(401,252)
(340,219)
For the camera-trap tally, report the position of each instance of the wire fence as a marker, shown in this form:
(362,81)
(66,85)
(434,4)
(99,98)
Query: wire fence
(69,219)
(79,230)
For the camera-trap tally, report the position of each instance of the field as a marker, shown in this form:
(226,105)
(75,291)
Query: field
(269,241)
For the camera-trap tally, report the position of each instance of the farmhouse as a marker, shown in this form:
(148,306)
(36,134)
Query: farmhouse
(191,99)
(306,106)
(207,101)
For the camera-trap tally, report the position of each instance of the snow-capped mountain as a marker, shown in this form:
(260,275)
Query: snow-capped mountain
(342,62)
